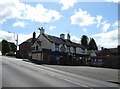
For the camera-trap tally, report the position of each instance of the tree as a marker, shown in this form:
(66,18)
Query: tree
(84,41)
(0,46)
(13,47)
(92,44)
(5,47)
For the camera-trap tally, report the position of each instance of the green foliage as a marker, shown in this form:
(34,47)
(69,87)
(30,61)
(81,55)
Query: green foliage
(13,47)
(0,46)
(8,47)
(5,47)
(92,45)
(84,41)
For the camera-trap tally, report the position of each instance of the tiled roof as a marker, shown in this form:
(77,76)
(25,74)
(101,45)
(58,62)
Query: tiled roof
(30,40)
(58,40)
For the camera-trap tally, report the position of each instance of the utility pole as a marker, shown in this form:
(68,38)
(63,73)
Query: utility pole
(17,42)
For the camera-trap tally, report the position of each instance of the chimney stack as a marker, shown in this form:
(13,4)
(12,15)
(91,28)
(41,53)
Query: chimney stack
(62,36)
(42,30)
(34,35)
(68,36)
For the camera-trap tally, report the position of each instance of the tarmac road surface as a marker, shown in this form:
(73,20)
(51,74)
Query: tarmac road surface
(17,73)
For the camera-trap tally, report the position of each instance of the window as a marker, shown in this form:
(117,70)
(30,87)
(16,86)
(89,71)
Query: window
(68,48)
(33,48)
(39,42)
(36,47)
(74,50)
(56,47)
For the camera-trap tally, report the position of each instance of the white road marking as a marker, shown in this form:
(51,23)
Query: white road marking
(73,82)
(68,80)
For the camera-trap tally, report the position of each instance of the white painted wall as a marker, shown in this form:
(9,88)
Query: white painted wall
(45,42)
(34,56)
(53,46)
(37,56)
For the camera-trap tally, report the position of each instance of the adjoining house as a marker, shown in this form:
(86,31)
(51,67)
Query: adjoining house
(25,48)
(106,58)
(57,50)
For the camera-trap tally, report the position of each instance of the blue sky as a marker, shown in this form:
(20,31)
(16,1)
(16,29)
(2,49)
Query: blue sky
(94,19)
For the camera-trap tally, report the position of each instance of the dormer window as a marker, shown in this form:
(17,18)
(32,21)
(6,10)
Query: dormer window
(56,47)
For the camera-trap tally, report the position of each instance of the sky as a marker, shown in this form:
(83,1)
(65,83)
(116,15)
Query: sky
(98,20)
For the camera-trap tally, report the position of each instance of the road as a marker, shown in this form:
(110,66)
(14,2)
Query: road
(17,73)
(105,74)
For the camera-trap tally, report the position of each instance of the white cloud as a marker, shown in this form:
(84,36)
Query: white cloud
(40,14)
(18,23)
(11,37)
(82,18)
(107,40)
(98,20)
(116,25)
(10,9)
(23,37)
(106,26)
(67,4)
(14,9)
(7,36)
(75,39)
(52,27)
